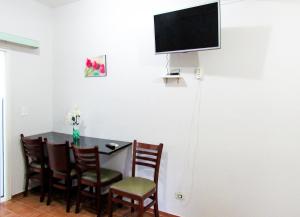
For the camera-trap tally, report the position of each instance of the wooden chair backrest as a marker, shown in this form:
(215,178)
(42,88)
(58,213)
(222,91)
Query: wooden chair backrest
(59,157)
(87,159)
(33,150)
(147,155)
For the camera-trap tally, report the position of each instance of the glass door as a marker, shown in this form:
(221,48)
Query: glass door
(2,62)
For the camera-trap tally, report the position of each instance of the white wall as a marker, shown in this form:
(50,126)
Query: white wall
(231,140)
(29,79)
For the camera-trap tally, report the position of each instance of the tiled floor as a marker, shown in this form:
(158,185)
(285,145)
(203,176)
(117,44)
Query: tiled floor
(31,207)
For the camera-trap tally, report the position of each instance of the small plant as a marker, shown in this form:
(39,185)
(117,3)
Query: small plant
(73,118)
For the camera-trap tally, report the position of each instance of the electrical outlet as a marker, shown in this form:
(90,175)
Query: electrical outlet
(24,111)
(198,73)
(179,196)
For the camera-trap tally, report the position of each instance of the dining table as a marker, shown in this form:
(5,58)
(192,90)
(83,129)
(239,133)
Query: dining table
(104,145)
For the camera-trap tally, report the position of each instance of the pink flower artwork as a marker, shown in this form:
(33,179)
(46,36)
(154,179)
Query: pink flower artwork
(95,67)
(102,68)
(88,63)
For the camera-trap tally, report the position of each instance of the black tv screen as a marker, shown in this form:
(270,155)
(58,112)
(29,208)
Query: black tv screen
(191,29)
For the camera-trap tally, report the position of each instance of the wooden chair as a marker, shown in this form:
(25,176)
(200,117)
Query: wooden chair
(137,188)
(35,162)
(60,170)
(91,176)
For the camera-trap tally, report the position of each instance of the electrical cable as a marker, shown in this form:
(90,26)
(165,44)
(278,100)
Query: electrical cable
(192,146)
(167,64)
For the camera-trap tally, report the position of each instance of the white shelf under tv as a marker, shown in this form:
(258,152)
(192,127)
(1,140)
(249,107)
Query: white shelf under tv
(167,77)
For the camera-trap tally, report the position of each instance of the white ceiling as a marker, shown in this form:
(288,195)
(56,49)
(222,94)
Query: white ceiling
(56,3)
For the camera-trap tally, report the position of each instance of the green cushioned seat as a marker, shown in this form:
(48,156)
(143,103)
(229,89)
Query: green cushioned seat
(106,175)
(73,172)
(135,185)
(36,165)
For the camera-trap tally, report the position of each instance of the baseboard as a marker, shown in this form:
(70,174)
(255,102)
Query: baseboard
(18,195)
(162,214)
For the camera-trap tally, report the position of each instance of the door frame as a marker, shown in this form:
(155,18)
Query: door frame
(6,150)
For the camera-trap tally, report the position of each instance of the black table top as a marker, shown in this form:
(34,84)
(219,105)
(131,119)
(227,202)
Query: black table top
(85,142)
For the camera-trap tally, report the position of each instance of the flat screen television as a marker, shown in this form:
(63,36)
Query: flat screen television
(191,29)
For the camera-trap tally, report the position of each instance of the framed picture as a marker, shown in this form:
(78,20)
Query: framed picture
(95,67)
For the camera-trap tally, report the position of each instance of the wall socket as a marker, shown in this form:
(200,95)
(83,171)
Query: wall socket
(179,196)
(198,73)
(24,111)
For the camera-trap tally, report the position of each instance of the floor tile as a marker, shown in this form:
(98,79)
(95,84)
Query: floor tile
(30,206)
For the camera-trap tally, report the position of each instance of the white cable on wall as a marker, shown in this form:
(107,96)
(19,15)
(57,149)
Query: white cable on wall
(167,64)
(193,143)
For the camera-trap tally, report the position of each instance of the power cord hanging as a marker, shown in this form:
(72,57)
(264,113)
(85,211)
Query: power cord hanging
(167,64)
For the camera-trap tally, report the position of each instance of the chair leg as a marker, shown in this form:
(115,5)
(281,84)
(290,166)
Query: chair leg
(68,191)
(50,190)
(98,201)
(120,205)
(42,197)
(78,197)
(132,208)
(109,208)
(91,191)
(156,210)
(141,208)
(26,185)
